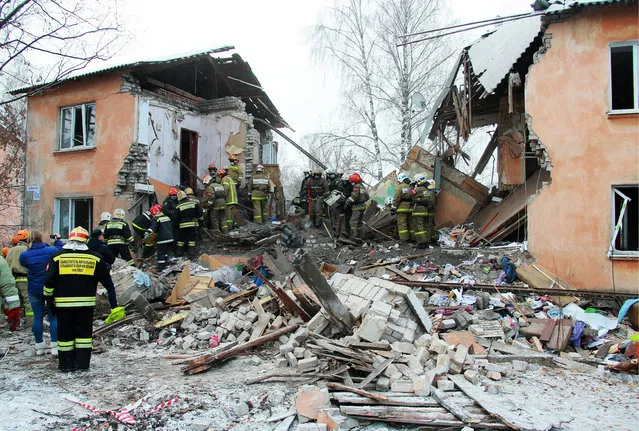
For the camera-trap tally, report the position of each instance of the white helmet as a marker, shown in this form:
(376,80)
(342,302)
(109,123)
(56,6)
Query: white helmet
(419,178)
(105,216)
(430,184)
(119,213)
(402,177)
(259,168)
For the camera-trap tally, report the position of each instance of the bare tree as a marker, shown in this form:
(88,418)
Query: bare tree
(380,80)
(55,38)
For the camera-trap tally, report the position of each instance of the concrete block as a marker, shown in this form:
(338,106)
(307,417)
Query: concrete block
(421,386)
(203,335)
(409,335)
(189,340)
(495,367)
(520,365)
(445,385)
(144,336)
(447,324)
(312,426)
(251,316)
(307,364)
(411,325)
(372,328)
(292,360)
(404,348)
(414,364)
(493,375)
(422,354)
(357,306)
(462,319)
(380,308)
(406,371)
(438,346)
(443,364)
(390,370)
(243,309)
(472,376)
(418,309)
(286,348)
(188,320)
(298,352)
(277,323)
(301,335)
(382,384)
(199,424)
(460,354)
(423,341)
(231,337)
(281,362)
(405,386)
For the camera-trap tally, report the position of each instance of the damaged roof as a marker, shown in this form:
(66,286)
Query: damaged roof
(201,74)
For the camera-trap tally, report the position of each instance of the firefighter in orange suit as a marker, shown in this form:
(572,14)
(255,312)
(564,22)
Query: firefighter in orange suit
(69,289)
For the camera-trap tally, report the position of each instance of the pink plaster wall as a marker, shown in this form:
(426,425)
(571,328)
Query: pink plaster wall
(89,173)
(567,96)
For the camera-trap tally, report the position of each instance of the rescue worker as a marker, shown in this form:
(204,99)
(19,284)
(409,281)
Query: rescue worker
(231,197)
(70,288)
(357,201)
(118,236)
(5,250)
(140,224)
(96,244)
(235,170)
(432,237)
(260,191)
(170,203)
(420,213)
(402,206)
(332,181)
(105,218)
(212,170)
(318,189)
(162,227)
(345,187)
(304,192)
(20,273)
(215,198)
(188,212)
(10,296)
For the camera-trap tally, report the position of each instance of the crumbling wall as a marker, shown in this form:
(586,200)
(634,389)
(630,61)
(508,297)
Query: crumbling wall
(134,170)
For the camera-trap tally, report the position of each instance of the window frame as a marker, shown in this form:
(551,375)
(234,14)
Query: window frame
(613,252)
(635,65)
(72,108)
(71,212)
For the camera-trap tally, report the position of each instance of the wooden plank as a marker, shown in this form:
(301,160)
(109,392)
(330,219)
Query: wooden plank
(393,400)
(180,285)
(214,351)
(401,274)
(560,335)
(311,274)
(546,333)
(357,391)
(537,344)
(451,404)
(376,372)
(376,265)
(363,357)
(241,294)
(495,405)
(286,300)
(204,363)
(175,318)
(371,346)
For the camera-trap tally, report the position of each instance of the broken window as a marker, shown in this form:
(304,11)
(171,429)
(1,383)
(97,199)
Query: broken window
(625,219)
(70,213)
(624,76)
(77,126)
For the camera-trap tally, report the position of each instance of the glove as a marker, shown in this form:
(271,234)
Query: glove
(393,210)
(50,304)
(13,318)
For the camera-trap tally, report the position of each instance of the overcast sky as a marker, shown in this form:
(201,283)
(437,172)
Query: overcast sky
(271,36)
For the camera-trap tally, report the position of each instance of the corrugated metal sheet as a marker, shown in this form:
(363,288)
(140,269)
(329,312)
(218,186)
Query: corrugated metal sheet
(116,64)
(493,56)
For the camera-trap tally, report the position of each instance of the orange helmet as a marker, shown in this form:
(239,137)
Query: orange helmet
(155,209)
(221,173)
(15,240)
(212,167)
(5,250)
(22,235)
(79,234)
(233,158)
(355,178)
(173,191)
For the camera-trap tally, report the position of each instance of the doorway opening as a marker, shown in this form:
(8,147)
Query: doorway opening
(188,155)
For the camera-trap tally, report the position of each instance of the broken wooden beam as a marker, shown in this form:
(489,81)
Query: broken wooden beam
(376,372)
(377,265)
(204,363)
(286,300)
(357,391)
(337,312)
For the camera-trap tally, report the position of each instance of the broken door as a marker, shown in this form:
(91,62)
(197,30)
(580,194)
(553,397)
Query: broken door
(188,155)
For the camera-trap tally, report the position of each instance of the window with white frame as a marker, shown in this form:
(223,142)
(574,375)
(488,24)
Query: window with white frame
(625,232)
(77,126)
(624,76)
(72,212)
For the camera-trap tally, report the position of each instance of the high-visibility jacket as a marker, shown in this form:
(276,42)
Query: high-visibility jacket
(142,222)
(188,212)
(235,172)
(8,286)
(422,200)
(403,198)
(163,226)
(117,232)
(231,191)
(216,195)
(73,276)
(259,187)
(13,260)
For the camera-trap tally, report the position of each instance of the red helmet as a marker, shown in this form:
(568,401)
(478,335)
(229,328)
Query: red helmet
(172,191)
(212,167)
(156,209)
(221,173)
(355,178)
(233,159)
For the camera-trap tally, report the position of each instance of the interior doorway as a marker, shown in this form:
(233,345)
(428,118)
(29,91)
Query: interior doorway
(188,155)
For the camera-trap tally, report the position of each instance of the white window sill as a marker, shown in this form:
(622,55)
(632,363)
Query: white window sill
(622,112)
(72,150)
(623,255)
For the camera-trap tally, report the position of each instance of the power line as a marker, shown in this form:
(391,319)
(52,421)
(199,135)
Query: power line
(498,21)
(488,21)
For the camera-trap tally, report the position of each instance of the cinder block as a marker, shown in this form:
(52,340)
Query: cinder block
(447,324)
(445,385)
(460,354)
(472,376)
(438,346)
(382,384)
(414,364)
(372,328)
(405,386)
(422,354)
(421,386)
(307,364)
(380,308)
(520,365)
(443,364)
(405,348)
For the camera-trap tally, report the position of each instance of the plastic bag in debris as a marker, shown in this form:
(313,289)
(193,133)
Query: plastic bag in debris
(595,320)
(577,331)
(226,274)
(535,304)
(257,280)
(141,278)
(471,262)
(234,289)
(439,300)
(463,299)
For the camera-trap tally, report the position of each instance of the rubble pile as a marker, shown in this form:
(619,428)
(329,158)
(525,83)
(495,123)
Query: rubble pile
(381,342)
